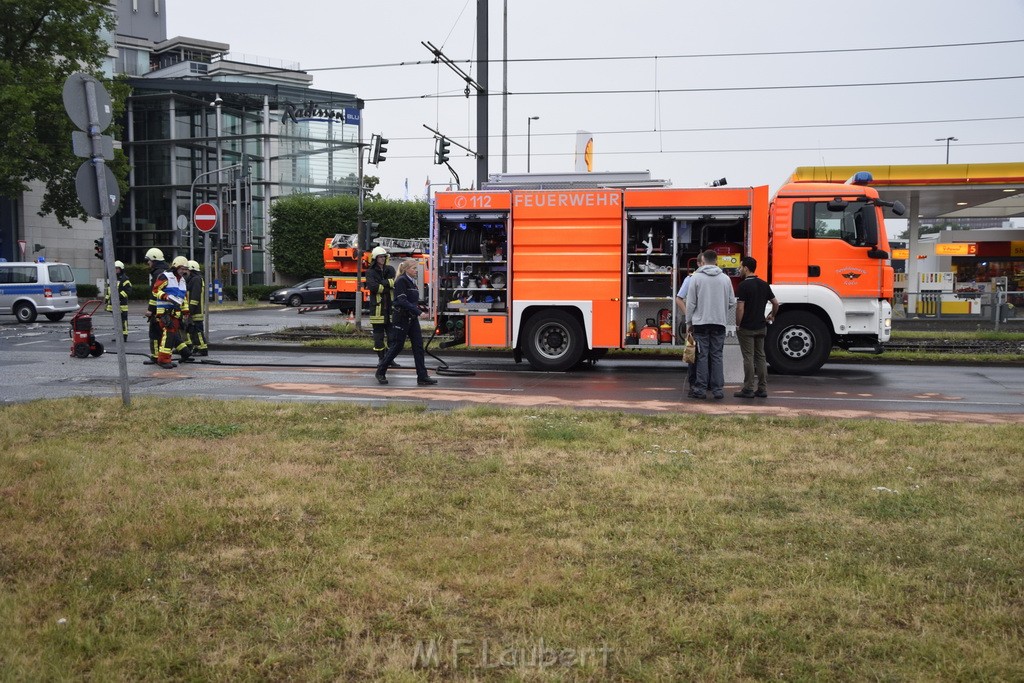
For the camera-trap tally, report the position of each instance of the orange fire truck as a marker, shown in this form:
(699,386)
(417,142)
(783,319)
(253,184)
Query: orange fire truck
(341,255)
(562,275)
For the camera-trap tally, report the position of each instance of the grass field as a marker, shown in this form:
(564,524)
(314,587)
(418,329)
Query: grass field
(254,541)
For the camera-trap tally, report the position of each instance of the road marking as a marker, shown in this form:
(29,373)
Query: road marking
(902,400)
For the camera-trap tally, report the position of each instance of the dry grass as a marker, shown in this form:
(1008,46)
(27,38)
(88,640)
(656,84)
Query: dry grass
(252,541)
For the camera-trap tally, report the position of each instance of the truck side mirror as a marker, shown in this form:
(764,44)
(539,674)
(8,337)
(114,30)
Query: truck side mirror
(898,209)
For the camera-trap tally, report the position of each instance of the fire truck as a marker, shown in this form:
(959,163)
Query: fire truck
(342,256)
(561,272)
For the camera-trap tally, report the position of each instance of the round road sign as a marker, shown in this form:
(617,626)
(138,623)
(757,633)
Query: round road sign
(205,217)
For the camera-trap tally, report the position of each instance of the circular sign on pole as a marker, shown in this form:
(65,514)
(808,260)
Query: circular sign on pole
(205,217)
(76,104)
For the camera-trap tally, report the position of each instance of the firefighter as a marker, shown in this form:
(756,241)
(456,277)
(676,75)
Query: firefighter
(124,288)
(197,310)
(380,281)
(171,301)
(157,266)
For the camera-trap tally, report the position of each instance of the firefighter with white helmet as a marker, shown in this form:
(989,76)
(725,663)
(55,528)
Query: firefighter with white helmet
(124,288)
(380,281)
(157,266)
(197,309)
(170,298)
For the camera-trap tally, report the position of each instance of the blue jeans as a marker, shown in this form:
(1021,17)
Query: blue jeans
(710,370)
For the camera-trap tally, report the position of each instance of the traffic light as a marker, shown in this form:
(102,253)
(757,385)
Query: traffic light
(98,248)
(378,146)
(368,234)
(442,151)
(372,233)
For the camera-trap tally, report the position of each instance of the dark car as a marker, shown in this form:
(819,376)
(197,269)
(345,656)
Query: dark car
(308,292)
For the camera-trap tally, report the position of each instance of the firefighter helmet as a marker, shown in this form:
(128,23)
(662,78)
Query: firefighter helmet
(378,251)
(179,262)
(154,254)
(192,265)
(118,264)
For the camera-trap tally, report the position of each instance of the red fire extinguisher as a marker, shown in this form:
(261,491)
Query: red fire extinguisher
(664,326)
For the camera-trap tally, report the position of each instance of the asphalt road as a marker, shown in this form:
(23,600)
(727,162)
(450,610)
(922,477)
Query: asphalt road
(35,363)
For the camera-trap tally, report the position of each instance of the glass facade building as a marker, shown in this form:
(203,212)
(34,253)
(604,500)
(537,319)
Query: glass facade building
(267,139)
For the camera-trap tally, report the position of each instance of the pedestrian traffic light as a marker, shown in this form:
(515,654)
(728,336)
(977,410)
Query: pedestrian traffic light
(442,150)
(378,146)
(98,248)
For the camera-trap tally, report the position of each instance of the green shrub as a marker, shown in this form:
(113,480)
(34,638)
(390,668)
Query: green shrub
(301,223)
(87,291)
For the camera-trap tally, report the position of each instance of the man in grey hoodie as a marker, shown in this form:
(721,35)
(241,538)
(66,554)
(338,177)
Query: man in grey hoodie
(709,305)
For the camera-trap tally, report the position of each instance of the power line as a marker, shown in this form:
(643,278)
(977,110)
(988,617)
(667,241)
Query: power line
(714,129)
(747,150)
(649,91)
(709,55)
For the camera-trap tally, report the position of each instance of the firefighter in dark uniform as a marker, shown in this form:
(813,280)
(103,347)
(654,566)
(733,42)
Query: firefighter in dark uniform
(157,266)
(197,310)
(380,282)
(124,288)
(170,294)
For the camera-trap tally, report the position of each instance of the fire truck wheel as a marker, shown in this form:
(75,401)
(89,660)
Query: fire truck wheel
(54,317)
(25,313)
(81,350)
(553,341)
(798,343)
(96,349)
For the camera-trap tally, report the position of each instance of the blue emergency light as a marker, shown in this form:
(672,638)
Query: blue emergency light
(860,178)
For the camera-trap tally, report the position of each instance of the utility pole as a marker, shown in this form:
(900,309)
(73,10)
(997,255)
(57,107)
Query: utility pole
(504,88)
(481,95)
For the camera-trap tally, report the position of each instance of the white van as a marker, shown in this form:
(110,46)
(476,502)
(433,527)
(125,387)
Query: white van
(27,289)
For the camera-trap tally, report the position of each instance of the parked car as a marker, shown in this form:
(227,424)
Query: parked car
(308,292)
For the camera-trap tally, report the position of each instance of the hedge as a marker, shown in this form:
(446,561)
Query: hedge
(301,223)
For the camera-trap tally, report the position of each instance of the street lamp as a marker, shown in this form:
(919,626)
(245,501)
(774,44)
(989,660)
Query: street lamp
(529,120)
(948,140)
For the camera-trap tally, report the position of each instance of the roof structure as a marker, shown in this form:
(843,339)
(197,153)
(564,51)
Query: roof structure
(942,190)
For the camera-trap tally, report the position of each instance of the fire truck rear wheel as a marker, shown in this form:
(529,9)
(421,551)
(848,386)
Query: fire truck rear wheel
(798,343)
(553,341)
(81,350)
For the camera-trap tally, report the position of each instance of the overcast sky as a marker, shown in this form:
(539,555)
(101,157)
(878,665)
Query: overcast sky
(750,136)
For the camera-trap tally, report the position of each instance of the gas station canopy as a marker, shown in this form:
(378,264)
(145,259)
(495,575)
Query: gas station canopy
(942,190)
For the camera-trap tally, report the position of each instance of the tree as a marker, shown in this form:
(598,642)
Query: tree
(42,42)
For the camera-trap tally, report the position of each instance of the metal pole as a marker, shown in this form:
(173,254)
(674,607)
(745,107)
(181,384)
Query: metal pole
(220,204)
(529,120)
(108,237)
(237,213)
(504,88)
(482,129)
(359,229)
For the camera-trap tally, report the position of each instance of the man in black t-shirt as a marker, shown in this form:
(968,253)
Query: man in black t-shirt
(752,296)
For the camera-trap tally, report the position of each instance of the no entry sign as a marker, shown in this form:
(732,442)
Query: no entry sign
(205,217)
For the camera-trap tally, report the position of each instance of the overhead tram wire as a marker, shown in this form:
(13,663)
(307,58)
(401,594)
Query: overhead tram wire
(724,129)
(710,55)
(745,88)
(744,151)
